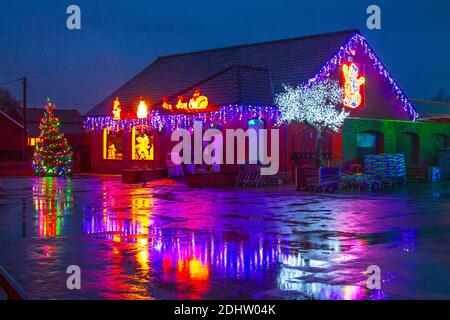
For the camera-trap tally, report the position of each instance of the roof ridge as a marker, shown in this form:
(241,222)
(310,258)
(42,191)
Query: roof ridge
(445,103)
(243,66)
(326,34)
(212,77)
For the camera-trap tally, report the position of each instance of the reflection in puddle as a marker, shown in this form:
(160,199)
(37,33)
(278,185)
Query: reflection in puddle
(189,259)
(189,247)
(53,200)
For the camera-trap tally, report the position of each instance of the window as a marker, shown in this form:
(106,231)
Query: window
(142,144)
(112,144)
(32,141)
(367,140)
(370,143)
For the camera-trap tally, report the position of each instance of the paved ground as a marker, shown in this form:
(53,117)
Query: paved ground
(166,241)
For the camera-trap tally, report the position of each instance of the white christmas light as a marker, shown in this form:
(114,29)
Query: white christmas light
(316,105)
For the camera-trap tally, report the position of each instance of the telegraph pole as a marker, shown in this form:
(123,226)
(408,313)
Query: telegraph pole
(25,133)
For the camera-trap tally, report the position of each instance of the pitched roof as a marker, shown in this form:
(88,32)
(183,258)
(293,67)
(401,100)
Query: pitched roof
(241,74)
(429,109)
(233,85)
(11,119)
(70,120)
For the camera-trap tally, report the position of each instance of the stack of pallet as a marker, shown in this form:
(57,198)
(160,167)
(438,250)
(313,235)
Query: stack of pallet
(385,165)
(444,162)
(373,166)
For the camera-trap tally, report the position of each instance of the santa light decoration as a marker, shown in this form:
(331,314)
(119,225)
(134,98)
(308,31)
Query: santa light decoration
(198,101)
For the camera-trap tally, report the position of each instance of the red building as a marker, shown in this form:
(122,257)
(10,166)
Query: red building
(12,137)
(11,132)
(71,126)
(240,84)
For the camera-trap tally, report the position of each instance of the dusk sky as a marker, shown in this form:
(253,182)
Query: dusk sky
(77,69)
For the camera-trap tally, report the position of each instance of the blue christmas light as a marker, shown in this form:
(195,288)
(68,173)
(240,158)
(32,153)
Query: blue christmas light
(174,121)
(230,112)
(350,48)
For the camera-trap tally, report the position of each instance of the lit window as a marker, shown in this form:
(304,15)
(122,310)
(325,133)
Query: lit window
(142,144)
(369,143)
(33,141)
(367,140)
(112,144)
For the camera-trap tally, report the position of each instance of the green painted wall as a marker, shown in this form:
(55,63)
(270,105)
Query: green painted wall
(398,136)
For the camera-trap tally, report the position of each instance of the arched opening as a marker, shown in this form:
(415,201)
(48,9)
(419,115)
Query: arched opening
(409,145)
(438,142)
(369,143)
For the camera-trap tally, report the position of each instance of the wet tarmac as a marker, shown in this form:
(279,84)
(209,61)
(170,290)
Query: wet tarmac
(168,241)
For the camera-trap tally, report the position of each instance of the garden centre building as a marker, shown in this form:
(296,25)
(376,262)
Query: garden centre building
(235,87)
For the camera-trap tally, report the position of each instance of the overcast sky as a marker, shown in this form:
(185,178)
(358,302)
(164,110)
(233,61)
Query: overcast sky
(120,38)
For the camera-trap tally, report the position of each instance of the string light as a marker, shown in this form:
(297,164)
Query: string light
(355,42)
(173,121)
(316,105)
(53,155)
(230,112)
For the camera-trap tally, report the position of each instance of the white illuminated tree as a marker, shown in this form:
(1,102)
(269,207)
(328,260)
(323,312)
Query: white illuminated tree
(318,105)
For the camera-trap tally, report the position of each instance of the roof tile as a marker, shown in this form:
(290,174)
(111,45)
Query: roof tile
(266,66)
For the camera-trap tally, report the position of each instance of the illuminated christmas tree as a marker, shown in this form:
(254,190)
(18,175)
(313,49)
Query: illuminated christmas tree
(53,155)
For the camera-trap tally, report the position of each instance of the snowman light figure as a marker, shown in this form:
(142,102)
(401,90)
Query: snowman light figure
(143,148)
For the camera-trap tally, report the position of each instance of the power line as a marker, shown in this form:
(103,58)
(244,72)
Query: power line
(11,81)
(34,101)
(63,102)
